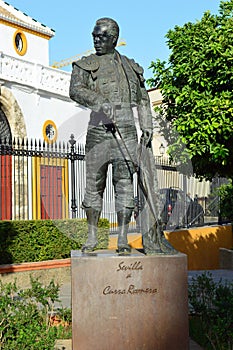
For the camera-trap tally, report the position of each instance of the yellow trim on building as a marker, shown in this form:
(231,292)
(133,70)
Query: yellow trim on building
(47,137)
(34,188)
(157,103)
(36,185)
(66,188)
(22,37)
(21,27)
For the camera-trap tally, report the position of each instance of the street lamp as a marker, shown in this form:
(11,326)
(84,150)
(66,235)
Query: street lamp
(161,150)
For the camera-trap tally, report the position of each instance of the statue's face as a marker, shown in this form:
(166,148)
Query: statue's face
(103,42)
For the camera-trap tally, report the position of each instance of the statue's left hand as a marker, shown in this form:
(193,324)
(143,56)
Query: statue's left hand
(146,137)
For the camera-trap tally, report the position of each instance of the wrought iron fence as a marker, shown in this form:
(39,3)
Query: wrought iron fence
(34,179)
(41,180)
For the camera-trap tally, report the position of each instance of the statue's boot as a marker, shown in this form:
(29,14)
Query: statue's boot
(123,218)
(92,221)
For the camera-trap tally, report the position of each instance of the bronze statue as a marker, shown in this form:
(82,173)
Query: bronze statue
(110,85)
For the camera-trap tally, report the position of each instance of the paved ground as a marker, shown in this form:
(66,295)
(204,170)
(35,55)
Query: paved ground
(67,345)
(217,275)
(65,296)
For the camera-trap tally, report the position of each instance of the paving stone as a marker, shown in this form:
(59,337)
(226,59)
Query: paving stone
(63,344)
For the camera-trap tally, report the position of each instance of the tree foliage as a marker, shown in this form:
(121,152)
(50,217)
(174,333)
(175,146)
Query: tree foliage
(197,88)
(211,305)
(226,201)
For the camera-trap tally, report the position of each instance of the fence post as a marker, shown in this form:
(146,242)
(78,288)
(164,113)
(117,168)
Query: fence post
(185,200)
(219,203)
(72,157)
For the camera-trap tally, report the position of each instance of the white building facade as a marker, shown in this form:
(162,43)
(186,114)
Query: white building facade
(34,95)
(35,104)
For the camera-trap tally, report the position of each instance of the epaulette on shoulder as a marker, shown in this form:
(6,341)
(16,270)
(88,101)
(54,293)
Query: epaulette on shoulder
(89,63)
(136,67)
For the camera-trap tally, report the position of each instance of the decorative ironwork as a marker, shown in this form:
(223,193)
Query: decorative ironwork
(40,180)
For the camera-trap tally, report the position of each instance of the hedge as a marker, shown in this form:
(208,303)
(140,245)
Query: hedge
(226,201)
(38,240)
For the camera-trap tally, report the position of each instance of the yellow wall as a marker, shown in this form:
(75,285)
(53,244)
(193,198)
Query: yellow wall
(200,244)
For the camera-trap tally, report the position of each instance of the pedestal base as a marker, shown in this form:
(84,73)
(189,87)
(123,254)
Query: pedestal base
(133,302)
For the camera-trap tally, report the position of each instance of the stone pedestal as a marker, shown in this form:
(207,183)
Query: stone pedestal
(134,302)
(226,258)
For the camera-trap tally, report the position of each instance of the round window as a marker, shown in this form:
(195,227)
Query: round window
(20,43)
(49,131)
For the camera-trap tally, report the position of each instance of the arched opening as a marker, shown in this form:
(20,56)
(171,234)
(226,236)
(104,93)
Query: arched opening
(5,168)
(5,130)
(12,125)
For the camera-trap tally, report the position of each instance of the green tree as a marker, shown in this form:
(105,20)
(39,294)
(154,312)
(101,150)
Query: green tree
(197,88)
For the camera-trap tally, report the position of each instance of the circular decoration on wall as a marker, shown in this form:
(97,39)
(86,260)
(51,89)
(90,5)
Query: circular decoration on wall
(49,131)
(20,43)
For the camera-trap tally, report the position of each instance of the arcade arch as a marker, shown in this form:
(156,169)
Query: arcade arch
(13,182)
(13,115)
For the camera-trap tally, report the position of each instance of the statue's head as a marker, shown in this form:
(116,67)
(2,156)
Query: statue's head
(105,35)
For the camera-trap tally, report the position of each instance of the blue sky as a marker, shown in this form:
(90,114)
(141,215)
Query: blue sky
(143,24)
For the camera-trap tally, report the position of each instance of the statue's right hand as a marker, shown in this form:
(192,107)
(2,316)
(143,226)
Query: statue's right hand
(107,110)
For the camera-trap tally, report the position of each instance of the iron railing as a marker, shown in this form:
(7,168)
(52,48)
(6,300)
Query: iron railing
(41,180)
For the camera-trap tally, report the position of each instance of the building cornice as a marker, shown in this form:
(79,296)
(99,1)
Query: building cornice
(12,16)
(27,28)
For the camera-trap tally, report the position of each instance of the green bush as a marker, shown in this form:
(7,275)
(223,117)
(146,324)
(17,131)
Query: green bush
(212,305)
(25,316)
(226,201)
(38,240)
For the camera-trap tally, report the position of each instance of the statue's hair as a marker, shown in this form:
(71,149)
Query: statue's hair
(112,25)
